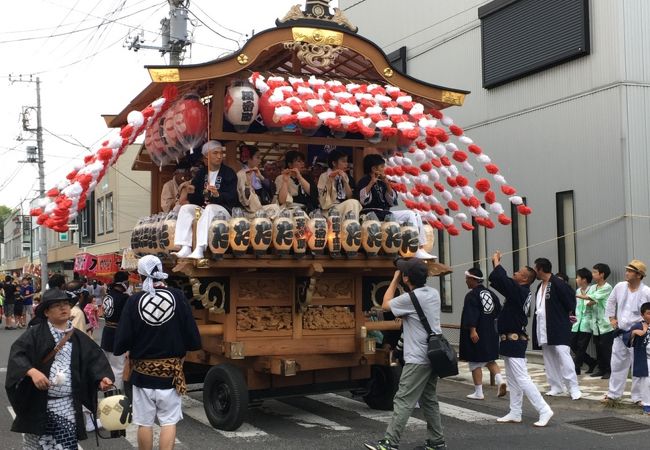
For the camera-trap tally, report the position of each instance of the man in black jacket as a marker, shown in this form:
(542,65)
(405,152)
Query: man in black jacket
(555,300)
(113,304)
(511,326)
(53,370)
(214,188)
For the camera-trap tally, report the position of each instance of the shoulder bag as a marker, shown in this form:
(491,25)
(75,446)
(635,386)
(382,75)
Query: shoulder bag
(442,355)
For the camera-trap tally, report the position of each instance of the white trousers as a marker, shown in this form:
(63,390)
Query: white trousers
(621,363)
(560,368)
(406,215)
(346,207)
(185,220)
(520,384)
(117,365)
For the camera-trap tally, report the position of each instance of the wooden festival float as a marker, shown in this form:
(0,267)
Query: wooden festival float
(292,306)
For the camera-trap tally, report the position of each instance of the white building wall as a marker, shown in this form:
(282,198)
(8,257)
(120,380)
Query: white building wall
(580,126)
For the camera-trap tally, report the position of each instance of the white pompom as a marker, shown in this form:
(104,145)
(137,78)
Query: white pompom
(462,217)
(391,161)
(439,150)
(158,104)
(453,170)
(458,191)
(483,158)
(43,202)
(451,147)
(447,220)
(49,208)
(423,178)
(135,119)
(447,121)
(516,200)
(433,175)
(468,191)
(401,196)
(446,195)
(468,167)
(500,179)
(472,211)
(433,199)
(429,154)
(115,141)
(445,171)
(410,196)
(496,208)
(482,212)
(62,184)
(419,156)
(465,140)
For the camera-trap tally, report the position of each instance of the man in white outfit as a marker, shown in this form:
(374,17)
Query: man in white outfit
(215,189)
(624,310)
(555,301)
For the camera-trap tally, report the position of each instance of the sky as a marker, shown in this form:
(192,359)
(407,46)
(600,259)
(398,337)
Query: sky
(76,48)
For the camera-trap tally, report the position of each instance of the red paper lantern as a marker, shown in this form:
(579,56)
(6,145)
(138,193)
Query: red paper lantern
(190,121)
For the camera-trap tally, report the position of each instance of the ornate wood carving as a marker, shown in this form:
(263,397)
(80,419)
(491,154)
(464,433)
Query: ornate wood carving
(328,318)
(267,288)
(213,293)
(333,288)
(272,318)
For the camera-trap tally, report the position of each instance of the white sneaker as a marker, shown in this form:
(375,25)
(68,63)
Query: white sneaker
(553,393)
(184,252)
(197,253)
(509,418)
(423,254)
(576,395)
(501,392)
(475,396)
(544,418)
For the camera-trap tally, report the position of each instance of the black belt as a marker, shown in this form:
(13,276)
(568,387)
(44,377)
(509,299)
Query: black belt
(110,324)
(513,337)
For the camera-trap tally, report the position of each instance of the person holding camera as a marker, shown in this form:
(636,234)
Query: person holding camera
(418,381)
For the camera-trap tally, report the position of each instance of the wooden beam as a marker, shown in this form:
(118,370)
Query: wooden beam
(298,139)
(218,98)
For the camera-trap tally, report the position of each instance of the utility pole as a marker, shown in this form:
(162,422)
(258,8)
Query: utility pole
(173,30)
(42,234)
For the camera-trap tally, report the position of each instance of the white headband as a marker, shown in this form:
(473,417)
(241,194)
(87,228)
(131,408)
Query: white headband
(467,274)
(150,267)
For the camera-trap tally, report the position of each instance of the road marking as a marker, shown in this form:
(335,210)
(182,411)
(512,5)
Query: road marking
(13,416)
(194,408)
(446,409)
(347,404)
(3,369)
(301,417)
(132,436)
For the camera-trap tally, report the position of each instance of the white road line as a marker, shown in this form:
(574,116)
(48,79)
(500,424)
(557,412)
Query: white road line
(300,417)
(362,409)
(13,416)
(194,408)
(446,409)
(3,369)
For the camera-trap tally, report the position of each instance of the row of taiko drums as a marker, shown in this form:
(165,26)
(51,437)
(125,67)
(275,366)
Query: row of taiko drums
(291,233)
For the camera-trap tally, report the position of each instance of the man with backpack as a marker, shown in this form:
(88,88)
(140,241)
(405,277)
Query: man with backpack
(418,381)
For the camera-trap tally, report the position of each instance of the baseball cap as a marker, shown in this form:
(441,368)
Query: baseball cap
(637,266)
(415,269)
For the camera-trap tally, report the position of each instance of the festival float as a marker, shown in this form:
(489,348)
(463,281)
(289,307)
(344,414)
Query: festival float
(291,305)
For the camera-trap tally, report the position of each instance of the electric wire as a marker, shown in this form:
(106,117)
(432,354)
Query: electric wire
(217,23)
(215,31)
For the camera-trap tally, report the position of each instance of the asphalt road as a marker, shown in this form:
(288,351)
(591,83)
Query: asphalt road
(336,421)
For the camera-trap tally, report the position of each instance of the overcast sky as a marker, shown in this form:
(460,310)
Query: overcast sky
(76,48)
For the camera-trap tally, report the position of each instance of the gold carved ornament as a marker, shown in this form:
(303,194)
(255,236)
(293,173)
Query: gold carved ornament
(165,75)
(316,47)
(453,98)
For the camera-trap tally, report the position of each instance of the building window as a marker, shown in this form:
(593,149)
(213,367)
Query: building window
(519,238)
(109,212)
(397,59)
(444,256)
(521,37)
(87,223)
(479,247)
(101,216)
(566,242)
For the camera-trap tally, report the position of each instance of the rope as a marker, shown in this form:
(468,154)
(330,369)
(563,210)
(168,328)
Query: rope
(547,241)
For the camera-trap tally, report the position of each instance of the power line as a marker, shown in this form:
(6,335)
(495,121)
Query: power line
(218,24)
(215,31)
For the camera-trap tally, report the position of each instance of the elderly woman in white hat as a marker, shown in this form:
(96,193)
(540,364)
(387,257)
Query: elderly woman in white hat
(214,188)
(53,370)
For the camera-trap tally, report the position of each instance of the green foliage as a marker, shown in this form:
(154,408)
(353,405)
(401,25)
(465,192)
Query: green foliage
(5,212)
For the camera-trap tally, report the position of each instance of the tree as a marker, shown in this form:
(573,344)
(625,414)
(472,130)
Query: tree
(5,212)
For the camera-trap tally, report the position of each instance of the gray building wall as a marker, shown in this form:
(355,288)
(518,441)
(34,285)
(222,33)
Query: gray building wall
(580,126)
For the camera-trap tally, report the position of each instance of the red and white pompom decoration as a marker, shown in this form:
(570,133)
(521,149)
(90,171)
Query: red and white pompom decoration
(68,197)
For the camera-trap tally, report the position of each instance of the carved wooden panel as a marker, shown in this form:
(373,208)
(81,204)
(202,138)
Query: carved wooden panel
(271,318)
(267,288)
(328,288)
(328,317)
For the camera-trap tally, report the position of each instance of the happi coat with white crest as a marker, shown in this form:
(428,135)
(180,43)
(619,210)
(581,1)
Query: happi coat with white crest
(559,304)
(480,311)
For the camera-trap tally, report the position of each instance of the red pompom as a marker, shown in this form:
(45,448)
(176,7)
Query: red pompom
(456,130)
(445,161)
(424,207)
(105,154)
(388,171)
(524,210)
(504,220)
(421,145)
(490,197)
(426,167)
(439,187)
(412,170)
(462,181)
(41,219)
(410,204)
(482,185)
(431,141)
(52,192)
(475,202)
(36,212)
(436,224)
(170,92)
(460,156)
(508,190)
(467,226)
(88,159)
(491,169)
(475,149)
(480,221)
(71,175)
(452,230)
(453,205)
(489,224)
(438,209)
(465,201)
(415,192)
(435,113)
(424,189)
(436,162)
(451,181)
